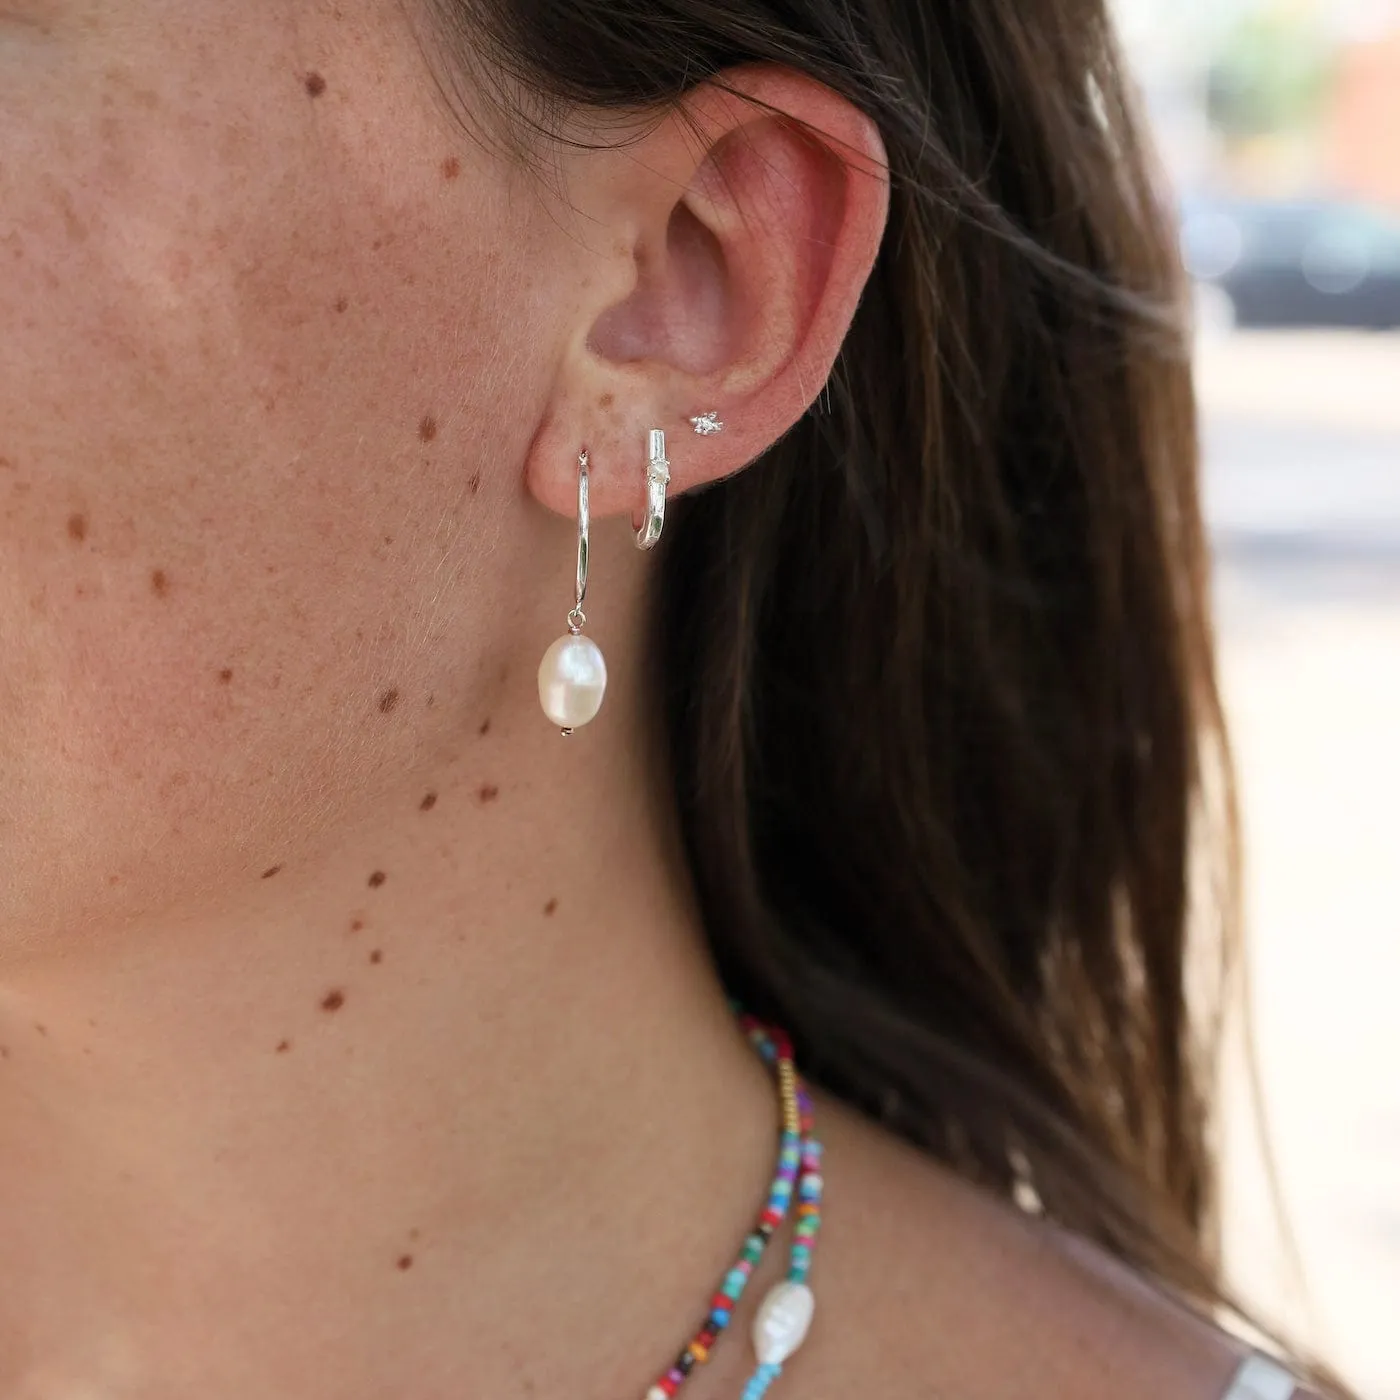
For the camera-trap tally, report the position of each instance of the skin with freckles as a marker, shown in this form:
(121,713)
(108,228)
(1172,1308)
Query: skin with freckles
(357,1033)
(240,452)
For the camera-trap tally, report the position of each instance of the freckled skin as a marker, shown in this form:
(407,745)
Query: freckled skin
(203,452)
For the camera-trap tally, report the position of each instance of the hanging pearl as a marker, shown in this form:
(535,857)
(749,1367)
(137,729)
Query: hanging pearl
(573,677)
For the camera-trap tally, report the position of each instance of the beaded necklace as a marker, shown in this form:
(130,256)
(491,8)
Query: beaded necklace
(786,1313)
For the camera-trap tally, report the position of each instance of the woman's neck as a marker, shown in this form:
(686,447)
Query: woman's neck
(486,1118)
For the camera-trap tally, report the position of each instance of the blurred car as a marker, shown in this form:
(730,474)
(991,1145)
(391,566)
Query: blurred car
(1293,263)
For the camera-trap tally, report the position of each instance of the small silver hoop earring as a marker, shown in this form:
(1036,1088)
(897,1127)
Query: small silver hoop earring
(658,479)
(573,674)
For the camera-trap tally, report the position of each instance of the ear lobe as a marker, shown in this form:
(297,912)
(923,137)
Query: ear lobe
(749,247)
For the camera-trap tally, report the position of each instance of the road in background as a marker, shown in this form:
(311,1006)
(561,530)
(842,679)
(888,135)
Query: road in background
(1302,438)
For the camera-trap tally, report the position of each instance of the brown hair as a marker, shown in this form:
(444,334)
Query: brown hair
(938,668)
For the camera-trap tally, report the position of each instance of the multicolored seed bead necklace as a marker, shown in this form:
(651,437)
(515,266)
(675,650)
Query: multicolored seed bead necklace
(786,1313)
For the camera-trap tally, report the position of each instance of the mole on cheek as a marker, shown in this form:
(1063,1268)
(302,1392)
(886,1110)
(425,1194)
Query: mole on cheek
(283,1046)
(406,1261)
(427,429)
(475,483)
(77,527)
(484,727)
(451,168)
(377,956)
(356,925)
(606,401)
(551,906)
(488,792)
(428,803)
(342,304)
(226,675)
(333,1001)
(377,879)
(388,700)
(160,583)
(315,84)
(268,874)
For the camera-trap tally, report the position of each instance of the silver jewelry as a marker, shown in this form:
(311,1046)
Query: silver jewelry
(658,479)
(573,674)
(707,424)
(1260,1378)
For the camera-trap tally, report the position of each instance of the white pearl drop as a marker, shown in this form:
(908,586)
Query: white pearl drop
(782,1322)
(573,677)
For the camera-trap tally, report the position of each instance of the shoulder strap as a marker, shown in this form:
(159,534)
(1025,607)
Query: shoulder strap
(1260,1378)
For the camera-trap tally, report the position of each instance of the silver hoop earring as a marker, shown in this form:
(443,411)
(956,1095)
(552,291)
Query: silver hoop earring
(573,674)
(658,479)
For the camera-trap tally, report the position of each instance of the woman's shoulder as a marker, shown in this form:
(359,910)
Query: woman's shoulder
(927,1284)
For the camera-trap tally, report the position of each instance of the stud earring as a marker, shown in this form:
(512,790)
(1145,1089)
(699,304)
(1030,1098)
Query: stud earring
(573,674)
(706,424)
(658,479)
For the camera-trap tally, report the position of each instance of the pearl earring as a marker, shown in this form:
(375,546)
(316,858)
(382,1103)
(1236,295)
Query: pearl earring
(573,674)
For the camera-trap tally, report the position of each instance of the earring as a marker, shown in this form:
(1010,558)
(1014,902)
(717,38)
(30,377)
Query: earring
(658,478)
(707,424)
(573,674)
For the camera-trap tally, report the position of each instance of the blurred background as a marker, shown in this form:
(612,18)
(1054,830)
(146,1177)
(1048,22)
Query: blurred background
(1279,123)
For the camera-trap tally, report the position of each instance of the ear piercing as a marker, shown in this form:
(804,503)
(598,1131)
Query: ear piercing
(573,674)
(658,479)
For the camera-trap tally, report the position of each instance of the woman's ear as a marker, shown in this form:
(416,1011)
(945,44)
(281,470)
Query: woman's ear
(739,231)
